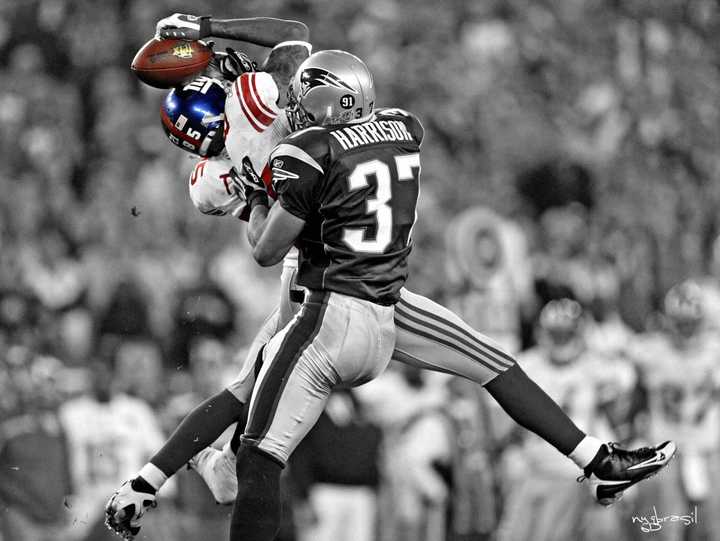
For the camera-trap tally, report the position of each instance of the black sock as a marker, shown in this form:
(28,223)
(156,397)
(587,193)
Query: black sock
(532,408)
(202,426)
(256,515)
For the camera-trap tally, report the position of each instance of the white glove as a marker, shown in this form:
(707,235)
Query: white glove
(127,506)
(183,26)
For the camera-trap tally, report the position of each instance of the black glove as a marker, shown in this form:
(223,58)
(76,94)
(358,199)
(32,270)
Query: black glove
(183,26)
(236,63)
(249,185)
(229,66)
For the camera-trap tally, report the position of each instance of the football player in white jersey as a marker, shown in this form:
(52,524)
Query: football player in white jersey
(428,335)
(539,504)
(680,368)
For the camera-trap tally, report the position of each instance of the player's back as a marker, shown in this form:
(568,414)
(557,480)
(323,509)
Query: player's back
(356,187)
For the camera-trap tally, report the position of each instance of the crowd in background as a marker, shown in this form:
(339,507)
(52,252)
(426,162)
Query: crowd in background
(571,152)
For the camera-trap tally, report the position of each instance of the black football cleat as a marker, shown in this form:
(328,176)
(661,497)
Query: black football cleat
(614,470)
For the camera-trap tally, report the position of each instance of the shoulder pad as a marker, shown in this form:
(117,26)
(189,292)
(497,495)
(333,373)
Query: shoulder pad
(310,145)
(412,122)
(255,96)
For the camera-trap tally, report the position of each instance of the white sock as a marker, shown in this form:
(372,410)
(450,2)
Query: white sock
(585,451)
(153,475)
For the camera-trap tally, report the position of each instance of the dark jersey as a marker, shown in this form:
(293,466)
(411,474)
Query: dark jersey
(356,187)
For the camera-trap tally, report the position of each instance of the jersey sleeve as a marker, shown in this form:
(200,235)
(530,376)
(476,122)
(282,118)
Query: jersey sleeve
(412,122)
(297,166)
(211,189)
(252,102)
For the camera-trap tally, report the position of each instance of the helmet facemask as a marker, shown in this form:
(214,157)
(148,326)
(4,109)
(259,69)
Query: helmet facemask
(298,117)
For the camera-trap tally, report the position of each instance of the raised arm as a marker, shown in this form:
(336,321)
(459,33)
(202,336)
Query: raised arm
(265,31)
(283,62)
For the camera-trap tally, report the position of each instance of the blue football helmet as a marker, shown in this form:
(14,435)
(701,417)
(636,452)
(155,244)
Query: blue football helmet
(193,116)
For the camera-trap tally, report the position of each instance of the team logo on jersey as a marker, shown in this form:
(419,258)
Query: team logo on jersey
(315,77)
(183,51)
(279,174)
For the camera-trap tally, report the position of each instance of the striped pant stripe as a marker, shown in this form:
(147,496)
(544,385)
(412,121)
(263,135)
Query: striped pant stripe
(441,336)
(270,388)
(498,355)
(448,337)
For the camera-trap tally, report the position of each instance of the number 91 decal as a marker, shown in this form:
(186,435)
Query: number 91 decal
(347,101)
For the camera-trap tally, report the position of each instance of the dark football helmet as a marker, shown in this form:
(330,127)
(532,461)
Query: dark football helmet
(193,116)
(683,309)
(560,330)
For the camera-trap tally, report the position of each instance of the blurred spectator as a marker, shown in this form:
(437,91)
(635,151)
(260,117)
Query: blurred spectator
(203,309)
(138,370)
(335,469)
(34,461)
(679,368)
(110,435)
(489,277)
(199,516)
(543,502)
(126,313)
(556,184)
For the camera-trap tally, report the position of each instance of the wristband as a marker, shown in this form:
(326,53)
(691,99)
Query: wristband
(153,475)
(205,22)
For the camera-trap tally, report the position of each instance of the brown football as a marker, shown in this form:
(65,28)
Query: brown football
(164,63)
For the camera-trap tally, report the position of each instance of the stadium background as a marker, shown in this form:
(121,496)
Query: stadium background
(571,151)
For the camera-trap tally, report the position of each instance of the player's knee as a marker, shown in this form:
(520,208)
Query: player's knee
(255,466)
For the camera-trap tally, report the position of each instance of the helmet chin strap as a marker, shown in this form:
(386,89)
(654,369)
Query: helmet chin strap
(212,145)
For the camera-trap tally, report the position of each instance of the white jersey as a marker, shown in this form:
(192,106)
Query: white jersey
(254,125)
(683,385)
(211,189)
(107,441)
(578,387)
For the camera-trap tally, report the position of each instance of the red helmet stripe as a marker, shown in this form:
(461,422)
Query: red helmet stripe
(170,125)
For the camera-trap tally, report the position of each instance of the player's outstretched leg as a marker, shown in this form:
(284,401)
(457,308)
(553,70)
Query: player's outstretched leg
(431,336)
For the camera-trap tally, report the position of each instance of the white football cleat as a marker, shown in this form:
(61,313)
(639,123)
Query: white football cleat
(217,469)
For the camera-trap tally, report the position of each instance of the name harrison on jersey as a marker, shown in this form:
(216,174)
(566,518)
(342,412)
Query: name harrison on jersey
(379,131)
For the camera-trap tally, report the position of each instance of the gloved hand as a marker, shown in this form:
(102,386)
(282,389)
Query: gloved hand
(231,64)
(127,506)
(183,26)
(249,185)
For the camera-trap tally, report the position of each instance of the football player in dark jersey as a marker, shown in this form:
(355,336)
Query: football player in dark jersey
(347,186)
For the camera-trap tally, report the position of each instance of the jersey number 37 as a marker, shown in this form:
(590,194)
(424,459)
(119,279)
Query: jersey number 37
(408,168)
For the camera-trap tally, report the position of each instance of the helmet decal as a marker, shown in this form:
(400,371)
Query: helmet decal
(315,77)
